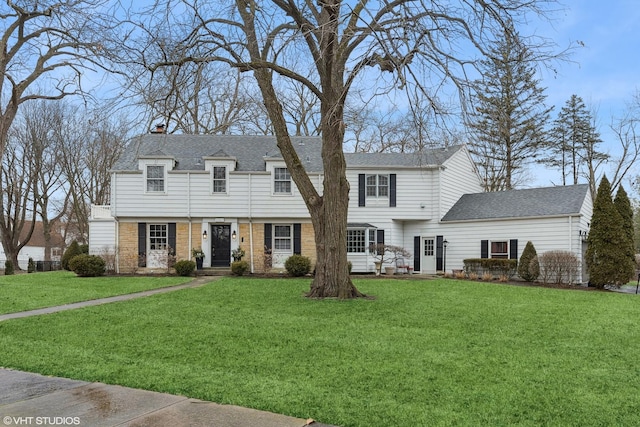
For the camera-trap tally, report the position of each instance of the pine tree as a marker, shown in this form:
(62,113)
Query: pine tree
(528,266)
(606,256)
(572,147)
(508,116)
(623,205)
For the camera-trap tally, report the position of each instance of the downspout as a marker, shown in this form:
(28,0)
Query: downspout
(250,229)
(114,182)
(189,239)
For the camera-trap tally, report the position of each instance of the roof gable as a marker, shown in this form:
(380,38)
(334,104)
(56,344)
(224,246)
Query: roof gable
(525,203)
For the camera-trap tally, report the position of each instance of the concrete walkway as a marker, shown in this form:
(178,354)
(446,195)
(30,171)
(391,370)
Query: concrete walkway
(33,399)
(200,281)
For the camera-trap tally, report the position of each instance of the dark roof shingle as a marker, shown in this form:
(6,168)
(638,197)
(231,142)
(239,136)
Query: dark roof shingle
(531,202)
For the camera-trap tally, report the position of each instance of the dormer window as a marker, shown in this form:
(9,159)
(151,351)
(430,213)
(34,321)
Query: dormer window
(281,181)
(155,178)
(219,179)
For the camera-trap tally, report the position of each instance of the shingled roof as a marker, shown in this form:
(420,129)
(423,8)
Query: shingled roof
(251,151)
(532,202)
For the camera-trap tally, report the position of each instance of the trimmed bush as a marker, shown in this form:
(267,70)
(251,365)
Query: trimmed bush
(528,266)
(496,266)
(8,268)
(87,265)
(31,266)
(185,267)
(238,268)
(297,265)
(73,250)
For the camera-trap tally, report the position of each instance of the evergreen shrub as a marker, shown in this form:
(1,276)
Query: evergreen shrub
(185,267)
(87,265)
(238,268)
(297,265)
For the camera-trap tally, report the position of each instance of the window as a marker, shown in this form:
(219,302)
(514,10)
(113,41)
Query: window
(499,249)
(158,237)
(282,181)
(155,178)
(429,247)
(219,179)
(355,241)
(282,238)
(377,185)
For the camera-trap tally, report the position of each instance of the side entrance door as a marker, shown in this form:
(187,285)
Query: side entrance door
(220,245)
(429,255)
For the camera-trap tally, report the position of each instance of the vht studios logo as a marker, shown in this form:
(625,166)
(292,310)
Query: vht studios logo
(41,421)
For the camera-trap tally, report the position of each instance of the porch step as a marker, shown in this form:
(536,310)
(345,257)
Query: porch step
(214,271)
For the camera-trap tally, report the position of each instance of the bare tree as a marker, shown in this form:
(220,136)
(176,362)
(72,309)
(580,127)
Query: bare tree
(45,50)
(40,120)
(627,132)
(89,145)
(18,213)
(344,44)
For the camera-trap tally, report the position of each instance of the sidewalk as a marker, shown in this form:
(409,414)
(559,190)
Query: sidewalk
(33,399)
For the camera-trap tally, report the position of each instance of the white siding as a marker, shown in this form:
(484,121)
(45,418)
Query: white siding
(102,235)
(546,234)
(458,177)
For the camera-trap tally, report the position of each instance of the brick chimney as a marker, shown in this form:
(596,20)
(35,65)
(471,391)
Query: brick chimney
(159,128)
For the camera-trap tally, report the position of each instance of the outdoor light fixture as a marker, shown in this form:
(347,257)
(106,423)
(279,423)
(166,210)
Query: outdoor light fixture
(204,234)
(234,236)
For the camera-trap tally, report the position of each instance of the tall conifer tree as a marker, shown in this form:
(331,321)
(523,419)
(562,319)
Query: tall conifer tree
(606,257)
(508,116)
(623,205)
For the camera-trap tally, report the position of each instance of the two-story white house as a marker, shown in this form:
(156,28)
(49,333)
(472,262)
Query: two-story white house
(173,193)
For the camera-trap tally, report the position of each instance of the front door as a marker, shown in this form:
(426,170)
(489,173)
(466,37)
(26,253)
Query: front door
(220,245)
(429,255)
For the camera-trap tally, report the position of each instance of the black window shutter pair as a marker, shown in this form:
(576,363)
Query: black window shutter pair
(297,237)
(513,249)
(362,190)
(142,242)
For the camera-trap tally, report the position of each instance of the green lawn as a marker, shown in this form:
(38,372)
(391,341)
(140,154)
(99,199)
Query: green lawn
(23,292)
(423,353)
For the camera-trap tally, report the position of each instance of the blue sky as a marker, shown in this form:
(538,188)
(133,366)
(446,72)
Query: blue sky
(605,71)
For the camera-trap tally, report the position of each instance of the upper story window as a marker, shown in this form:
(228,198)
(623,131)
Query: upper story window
(377,185)
(155,178)
(219,179)
(500,249)
(281,181)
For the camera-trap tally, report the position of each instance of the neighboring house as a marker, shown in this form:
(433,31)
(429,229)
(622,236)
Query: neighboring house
(37,248)
(172,193)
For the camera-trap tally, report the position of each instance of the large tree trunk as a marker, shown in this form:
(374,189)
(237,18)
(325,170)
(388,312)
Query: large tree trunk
(330,226)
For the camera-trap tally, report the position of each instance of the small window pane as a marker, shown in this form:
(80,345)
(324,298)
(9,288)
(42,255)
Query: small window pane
(428,247)
(282,237)
(355,241)
(499,250)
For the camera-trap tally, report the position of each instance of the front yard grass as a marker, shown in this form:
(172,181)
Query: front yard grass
(423,353)
(23,292)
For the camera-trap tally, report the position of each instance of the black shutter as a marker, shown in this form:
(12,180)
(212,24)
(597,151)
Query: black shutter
(142,244)
(416,253)
(362,189)
(297,239)
(439,253)
(484,249)
(267,236)
(172,238)
(380,237)
(513,249)
(392,190)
